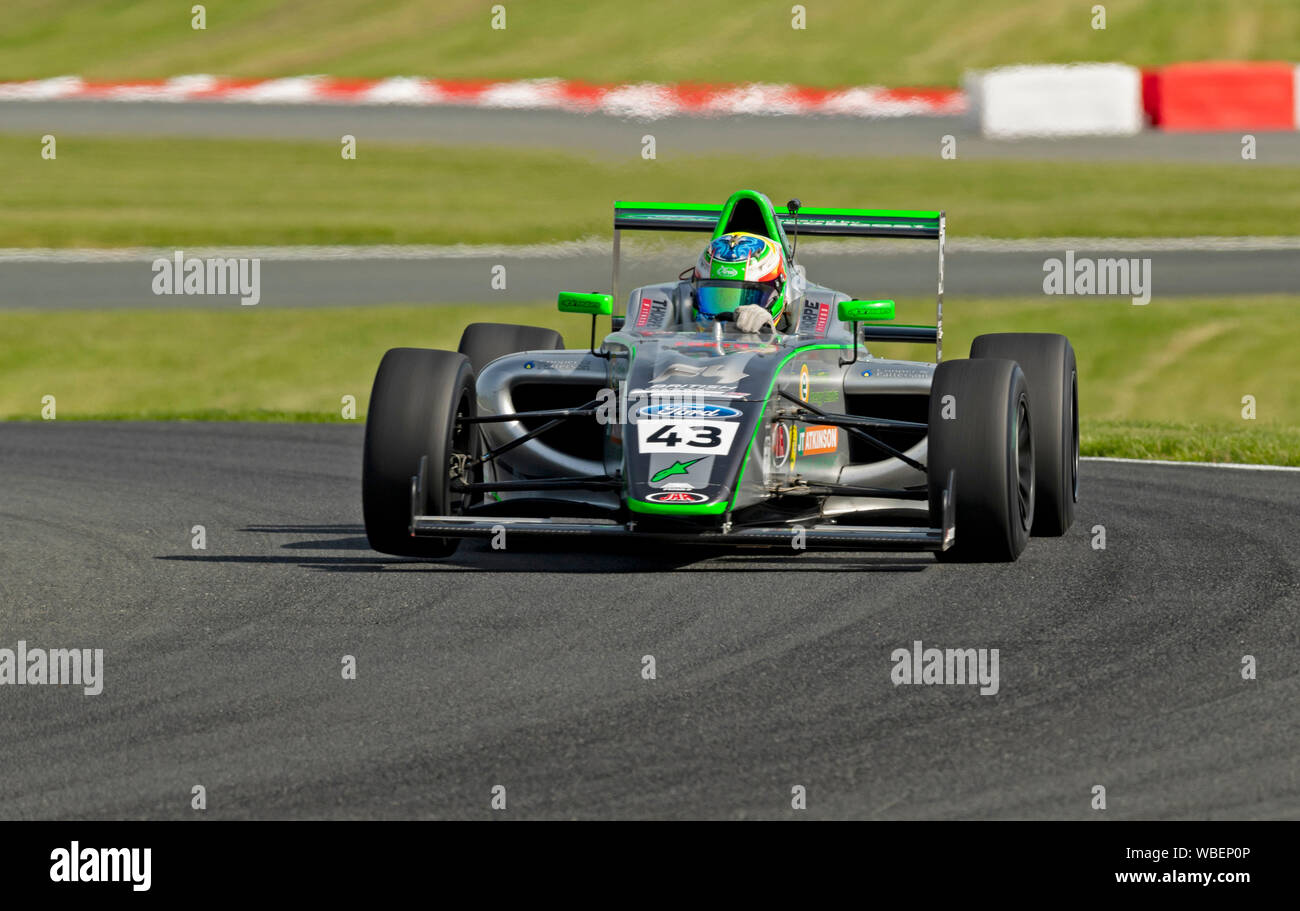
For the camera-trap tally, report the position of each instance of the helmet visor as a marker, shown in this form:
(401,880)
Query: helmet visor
(714,297)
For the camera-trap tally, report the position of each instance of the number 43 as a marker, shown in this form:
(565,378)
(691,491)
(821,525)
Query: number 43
(705,437)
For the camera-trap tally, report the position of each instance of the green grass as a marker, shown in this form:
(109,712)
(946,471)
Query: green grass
(1161,381)
(1265,445)
(247,363)
(106,192)
(892,42)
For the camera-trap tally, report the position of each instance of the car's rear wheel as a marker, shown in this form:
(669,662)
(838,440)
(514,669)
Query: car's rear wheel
(416,404)
(483,343)
(981,433)
(1048,362)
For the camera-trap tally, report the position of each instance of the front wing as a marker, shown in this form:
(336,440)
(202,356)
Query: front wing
(828,536)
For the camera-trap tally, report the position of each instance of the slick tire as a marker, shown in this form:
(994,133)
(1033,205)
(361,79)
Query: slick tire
(981,432)
(1053,377)
(416,399)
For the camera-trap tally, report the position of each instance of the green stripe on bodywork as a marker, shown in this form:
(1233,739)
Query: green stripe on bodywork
(776,375)
(678,509)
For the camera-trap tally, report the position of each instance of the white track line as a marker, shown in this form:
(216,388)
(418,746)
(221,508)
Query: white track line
(1123,244)
(587,245)
(309,253)
(1243,466)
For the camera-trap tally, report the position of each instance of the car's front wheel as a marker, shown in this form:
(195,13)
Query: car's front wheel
(414,419)
(980,432)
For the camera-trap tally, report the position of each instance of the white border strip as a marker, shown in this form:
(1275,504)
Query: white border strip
(555,250)
(1202,243)
(600,245)
(1243,466)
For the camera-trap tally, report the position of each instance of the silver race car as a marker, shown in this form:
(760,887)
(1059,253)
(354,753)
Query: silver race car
(678,426)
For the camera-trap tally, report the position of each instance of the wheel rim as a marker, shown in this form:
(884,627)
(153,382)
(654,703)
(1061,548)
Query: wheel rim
(1024,463)
(461,452)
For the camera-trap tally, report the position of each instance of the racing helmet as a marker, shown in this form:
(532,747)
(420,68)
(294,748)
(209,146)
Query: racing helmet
(736,270)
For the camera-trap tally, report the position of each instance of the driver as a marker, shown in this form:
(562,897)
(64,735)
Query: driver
(742,274)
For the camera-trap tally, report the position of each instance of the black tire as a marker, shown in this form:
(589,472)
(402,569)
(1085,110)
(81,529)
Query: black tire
(483,343)
(1048,362)
(983,442)
(414,402)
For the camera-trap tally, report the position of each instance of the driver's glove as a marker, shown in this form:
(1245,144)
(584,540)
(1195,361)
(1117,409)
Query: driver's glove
(752,318)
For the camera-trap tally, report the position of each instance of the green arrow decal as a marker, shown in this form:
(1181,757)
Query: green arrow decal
(675,468)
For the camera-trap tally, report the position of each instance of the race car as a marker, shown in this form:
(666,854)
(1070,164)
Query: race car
(737,406)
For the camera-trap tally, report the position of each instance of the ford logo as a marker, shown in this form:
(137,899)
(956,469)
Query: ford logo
(688,411)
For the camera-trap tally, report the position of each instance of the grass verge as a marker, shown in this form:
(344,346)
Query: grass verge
(890,42)
(176,193)
(1162,381)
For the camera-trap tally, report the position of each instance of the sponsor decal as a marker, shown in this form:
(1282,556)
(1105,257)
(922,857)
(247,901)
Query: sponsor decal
(814,318)
(677,496)
(651,312)
(680,437)
(897,373)
(823,318)
(780,444)
(678,467)
(818,440)
(562,366)
(689,390)
(805,382)
(726,374)
(688,411)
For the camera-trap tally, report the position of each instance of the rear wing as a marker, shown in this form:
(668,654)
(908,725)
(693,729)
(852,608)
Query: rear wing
(657,216)
(895,223)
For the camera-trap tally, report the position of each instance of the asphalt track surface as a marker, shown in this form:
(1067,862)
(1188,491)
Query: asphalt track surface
(613,136)
(522,668)
(299,283)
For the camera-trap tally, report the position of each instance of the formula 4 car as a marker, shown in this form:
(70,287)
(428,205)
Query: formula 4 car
(679,427)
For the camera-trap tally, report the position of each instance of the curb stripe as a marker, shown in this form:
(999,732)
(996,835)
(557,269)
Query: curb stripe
(643,100)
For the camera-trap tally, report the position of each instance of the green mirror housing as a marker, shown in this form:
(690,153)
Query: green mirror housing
(860,311)
(593,304)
